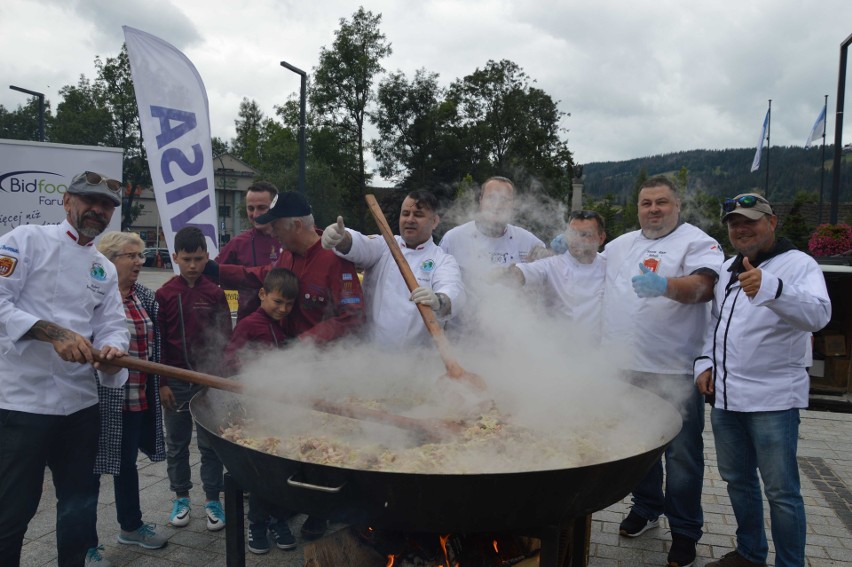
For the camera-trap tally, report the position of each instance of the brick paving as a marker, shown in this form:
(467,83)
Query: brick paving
(825,462)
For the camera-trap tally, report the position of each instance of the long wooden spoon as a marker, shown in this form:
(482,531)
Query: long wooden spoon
(454,369)
(427,429)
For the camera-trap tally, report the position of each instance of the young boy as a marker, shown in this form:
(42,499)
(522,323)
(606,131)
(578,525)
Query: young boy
(263,330)
(195,323)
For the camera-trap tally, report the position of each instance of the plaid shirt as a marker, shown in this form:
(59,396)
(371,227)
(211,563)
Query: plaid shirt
(141,342)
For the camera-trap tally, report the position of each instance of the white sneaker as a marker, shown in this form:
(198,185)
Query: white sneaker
(180,513)
(95,559)
(215,515)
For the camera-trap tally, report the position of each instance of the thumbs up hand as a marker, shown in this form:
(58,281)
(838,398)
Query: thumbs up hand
(750,279)
(333,234)
(649,284)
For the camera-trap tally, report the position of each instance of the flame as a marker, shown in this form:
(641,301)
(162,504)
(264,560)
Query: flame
(391,559)
(443,539)
(494,545)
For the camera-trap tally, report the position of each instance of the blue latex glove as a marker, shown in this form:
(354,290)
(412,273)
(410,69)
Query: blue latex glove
(649,284)
(558,244)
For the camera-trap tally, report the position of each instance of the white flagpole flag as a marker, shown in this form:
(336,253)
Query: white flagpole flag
(175,119)
(755,164)
(818,131)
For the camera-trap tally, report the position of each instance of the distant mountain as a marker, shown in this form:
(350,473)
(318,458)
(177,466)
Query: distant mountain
(726,172)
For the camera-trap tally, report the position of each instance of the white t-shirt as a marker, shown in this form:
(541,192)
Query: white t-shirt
(575,289)
(477,253)
(661,335)
(393,321)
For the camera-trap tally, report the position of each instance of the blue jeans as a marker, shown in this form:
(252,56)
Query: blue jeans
(684,457)
(66,444)
(178,436)
(748,442)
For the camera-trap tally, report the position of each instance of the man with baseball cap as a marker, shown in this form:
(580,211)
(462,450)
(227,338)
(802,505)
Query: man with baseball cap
(769,300)
(59,304)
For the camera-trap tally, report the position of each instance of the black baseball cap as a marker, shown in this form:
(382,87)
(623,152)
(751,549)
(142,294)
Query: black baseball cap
(288,204)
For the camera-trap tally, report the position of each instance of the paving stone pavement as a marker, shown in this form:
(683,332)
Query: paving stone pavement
(825,459)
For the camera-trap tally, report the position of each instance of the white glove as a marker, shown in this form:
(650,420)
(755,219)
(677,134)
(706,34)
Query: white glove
(426,296)
(333,234)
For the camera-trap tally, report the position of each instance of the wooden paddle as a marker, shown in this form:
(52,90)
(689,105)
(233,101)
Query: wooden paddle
(427,429)
(454,369)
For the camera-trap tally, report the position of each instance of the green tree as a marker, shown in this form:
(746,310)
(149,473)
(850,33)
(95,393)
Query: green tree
(795,225)
(22,123)
(341,90)
(250,125)
(81,117)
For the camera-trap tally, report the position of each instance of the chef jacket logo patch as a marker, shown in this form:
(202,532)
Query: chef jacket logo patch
(7,266)
(347,276)
(427,265)
(651,263)
(97,272)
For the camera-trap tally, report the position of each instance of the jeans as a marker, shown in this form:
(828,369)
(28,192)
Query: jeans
(684,459)
(126,484)
(66,444)
(178,436)
(748,442)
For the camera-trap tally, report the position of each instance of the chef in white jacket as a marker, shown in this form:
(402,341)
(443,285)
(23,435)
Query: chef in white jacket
(393,320)
(767,302)
(59,301)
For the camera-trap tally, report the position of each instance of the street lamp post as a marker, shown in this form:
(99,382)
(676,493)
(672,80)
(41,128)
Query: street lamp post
(838,133)
(302,94)
(40,108)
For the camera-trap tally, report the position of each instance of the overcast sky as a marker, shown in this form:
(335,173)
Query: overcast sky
(638,77)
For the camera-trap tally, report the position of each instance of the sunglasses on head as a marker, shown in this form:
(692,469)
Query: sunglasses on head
(745,202)
(93,178)
(583,215)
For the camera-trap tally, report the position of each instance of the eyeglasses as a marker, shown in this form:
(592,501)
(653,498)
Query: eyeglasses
(745,202)
(131,255)
(93,178)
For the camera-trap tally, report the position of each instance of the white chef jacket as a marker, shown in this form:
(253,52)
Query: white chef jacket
(575,288)
(46,275)
(760,348)
(477,253)
(393,321)
(660,335)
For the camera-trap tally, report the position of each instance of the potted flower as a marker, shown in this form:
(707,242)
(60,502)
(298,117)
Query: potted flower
(831,240)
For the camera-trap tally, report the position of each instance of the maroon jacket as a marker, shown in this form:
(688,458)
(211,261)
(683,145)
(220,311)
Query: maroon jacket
(195,324)
(249,248)
(330,302)
(256,332)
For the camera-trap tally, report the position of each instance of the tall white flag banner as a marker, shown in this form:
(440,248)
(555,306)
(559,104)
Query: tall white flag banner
(175,119)
(755,164)
(818,131)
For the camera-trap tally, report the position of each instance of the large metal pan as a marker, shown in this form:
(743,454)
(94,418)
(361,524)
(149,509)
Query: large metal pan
(432,502)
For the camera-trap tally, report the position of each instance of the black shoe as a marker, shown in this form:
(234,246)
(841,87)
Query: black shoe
(314,527)
(258,538)
(635,525)
(734,559)
(682,551)
(283,537)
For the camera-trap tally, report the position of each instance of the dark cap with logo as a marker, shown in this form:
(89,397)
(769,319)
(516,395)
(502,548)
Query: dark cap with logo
(96,184)
(288,204)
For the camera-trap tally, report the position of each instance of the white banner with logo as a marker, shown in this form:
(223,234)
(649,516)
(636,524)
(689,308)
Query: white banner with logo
(35,175)
(175,120)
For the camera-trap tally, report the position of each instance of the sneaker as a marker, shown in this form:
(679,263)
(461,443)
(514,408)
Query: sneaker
(635,525)
(180,512)
(734,559)
(258,539)
(95,559)
(314,527)
(682,551)
(215,515)
(283,536)
(146,536)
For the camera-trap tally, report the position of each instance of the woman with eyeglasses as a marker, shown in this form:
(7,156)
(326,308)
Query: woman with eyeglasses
(131,418)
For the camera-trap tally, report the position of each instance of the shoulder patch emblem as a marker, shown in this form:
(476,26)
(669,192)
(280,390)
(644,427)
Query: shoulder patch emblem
(427,265)
(7,265)
(98,272)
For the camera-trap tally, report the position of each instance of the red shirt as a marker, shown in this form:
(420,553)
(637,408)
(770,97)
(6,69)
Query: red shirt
(195,324)
(249,248)
(330,302)
(257,331)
